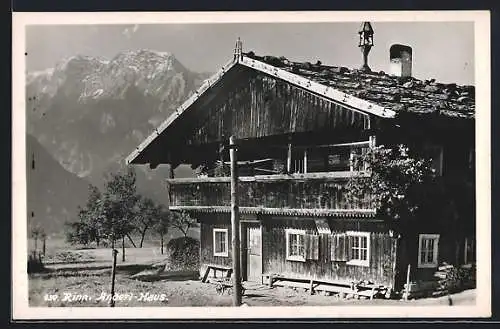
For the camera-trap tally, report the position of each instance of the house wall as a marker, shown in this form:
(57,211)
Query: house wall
(451,249)
(382,248)
(208,223)
(257,105)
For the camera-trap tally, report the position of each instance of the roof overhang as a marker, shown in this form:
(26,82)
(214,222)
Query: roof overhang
(327,92)
(339,213)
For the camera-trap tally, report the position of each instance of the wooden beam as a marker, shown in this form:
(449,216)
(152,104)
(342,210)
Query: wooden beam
(180,110)
(235,224)
(333,175)
(359,144)
(289,158)
(356,104)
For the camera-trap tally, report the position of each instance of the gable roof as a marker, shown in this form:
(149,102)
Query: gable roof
(390,92)
(376,94)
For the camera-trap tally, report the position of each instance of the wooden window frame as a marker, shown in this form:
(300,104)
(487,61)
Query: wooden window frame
(295,258)
(358,235)
(435,250)
(226,242)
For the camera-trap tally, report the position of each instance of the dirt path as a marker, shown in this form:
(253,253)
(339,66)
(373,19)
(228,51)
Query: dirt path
(184,292)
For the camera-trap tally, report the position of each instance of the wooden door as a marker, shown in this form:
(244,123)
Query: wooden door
(254,254)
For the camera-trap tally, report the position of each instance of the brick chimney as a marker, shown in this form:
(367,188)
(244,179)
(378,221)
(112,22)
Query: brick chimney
(401,60)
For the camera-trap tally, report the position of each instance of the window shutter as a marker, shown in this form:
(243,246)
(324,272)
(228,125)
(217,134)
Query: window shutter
(339,249)
(349,245)
(312,246)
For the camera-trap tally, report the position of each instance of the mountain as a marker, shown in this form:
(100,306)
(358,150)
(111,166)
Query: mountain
(53,194)
(90,113)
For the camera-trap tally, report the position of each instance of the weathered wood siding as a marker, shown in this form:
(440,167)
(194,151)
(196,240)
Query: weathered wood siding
(208,223)
(450,251)
(258,105)
(302,194)
(382,249)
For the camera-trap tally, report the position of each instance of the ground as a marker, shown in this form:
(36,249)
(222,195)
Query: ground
(83,278)
(189,292)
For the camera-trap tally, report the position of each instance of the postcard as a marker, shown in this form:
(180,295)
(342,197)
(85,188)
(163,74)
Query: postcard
(251,165)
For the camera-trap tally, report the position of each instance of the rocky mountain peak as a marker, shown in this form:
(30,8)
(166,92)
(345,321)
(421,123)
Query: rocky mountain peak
(90,112)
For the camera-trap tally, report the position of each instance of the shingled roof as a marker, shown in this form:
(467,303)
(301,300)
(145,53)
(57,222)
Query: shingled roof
(395,93)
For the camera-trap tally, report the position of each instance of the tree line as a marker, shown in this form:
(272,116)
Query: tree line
(120,212)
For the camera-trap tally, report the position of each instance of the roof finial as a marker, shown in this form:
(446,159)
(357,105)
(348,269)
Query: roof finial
(238,50)
(365,43)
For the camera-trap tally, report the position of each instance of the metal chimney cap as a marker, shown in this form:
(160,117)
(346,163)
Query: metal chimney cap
(396,50)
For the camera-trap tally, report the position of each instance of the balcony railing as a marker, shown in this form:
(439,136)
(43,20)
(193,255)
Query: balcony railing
(297,191)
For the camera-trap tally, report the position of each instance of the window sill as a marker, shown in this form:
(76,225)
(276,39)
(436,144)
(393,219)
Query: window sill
(427,265)
(221,255)
(358,263)
(296,259)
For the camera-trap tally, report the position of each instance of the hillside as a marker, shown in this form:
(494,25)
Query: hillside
(53,193)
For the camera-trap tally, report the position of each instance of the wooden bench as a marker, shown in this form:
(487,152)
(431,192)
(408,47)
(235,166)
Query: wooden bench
(343,288)
(215,268)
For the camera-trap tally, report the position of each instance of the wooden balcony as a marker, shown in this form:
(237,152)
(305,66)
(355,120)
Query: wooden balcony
(311,193)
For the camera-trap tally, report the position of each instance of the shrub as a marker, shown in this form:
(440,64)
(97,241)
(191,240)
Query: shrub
(183,253)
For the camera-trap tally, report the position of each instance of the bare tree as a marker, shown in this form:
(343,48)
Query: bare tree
(182,221)
(162,223)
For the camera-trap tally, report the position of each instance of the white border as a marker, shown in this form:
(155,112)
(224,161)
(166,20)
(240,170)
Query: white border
(294,258)
(359,262)
(221,254)
(20,307)
(435,251)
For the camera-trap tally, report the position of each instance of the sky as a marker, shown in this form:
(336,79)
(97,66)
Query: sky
(443,51)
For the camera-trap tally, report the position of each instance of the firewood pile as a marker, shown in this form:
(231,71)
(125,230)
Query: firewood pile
(452,279)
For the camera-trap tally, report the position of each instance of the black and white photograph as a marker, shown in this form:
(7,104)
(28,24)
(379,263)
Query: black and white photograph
(225,165)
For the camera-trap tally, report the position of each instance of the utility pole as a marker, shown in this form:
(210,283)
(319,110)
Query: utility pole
(235,224)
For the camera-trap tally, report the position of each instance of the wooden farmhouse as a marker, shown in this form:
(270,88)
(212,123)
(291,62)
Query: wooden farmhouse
(296,126)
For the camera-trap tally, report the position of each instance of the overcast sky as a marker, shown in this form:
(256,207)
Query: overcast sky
(443,51)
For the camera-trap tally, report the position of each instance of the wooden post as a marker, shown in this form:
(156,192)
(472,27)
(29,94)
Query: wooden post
(242,252)
(235,225)
(351,160)
(289,157)
(305,161)
(171,171)
(407,290)
(113,270)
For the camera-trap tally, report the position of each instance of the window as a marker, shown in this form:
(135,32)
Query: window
(359,248)
(428,250)
(295,245)
(220,242)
